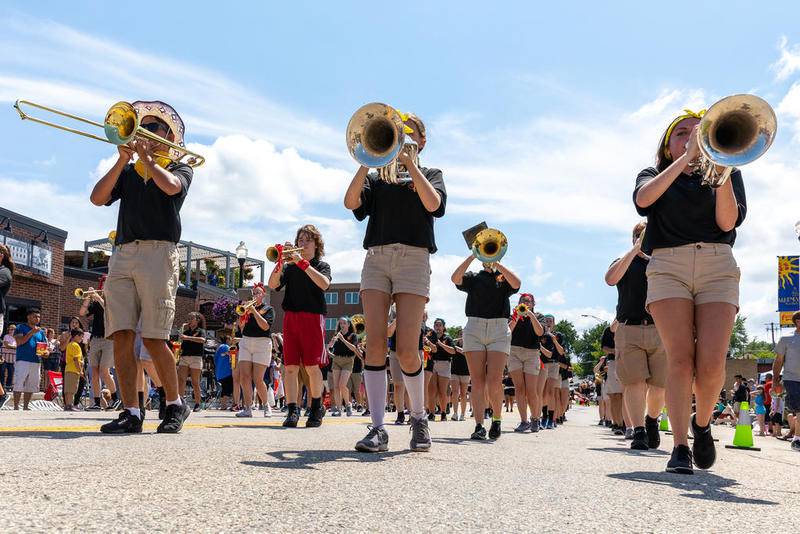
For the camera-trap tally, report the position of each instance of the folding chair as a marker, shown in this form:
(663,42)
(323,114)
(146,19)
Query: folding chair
(55,388)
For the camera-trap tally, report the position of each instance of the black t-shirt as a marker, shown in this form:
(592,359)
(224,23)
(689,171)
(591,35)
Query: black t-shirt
(632,292)
(441,355)
(741,394)
(302,294)
(523,335)
(340,349)
(396,214)
(563,371)
(98,316)
(251,328)
(145,211)
(547,342)
(685,213)
(393,340)
(608,338)
(5,286)
(192,348)
(459,365)
(487,294)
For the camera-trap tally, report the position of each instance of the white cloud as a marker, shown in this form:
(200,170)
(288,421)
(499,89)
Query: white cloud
(539,276)
(556,298)
(789,62)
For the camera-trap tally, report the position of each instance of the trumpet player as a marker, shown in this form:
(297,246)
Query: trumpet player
(399,241)
(190,364)
(524,364)
(487,338)
(143,271)
(255,350)
(692,281)
(101,350)
(305,277)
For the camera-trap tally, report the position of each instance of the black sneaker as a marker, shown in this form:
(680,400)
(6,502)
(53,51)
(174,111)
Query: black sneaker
(431,416)
(92,408)
(534,425)
(401,418)
(366,413)
(308,412)
(653,436)
(197,407)
(494,430)
(443,417)
(291,419)
(705,454)
(681,461)
(608,423)
(315,419)
(174,416)
(618,430)
(479,434)
(125,423)
(639,442)
(602,422)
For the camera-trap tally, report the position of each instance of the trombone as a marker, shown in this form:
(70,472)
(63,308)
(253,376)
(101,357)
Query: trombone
(490,245)
(241,309)
(87,293)
(121,125)
(276,252)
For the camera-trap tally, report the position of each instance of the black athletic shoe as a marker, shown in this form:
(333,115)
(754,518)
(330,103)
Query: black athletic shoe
(401,418)
(618,430)
(653,436)
(681,461)
(291,419)
(366,413)
(315,419)
(197,407)
(431,416)
(174,416)
(494,430)
(443,417)
(602,422)
(705,454)
(608,423)
(479,434)
(125,423)
(534,425)
(162,408)
(639,442)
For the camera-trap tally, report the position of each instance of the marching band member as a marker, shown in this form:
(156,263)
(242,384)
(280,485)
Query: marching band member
(143,271)
(641,359)
(305,277)
(399,241)
(553,342)
(487,338)
(692,282)
(442,350)
(190,364)
(255,351)
(343,345)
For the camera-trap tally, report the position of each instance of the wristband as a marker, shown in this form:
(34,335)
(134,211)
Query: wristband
(303,264)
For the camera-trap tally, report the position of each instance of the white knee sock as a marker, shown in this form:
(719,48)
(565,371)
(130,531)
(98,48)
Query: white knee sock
(376,386)
(415,386)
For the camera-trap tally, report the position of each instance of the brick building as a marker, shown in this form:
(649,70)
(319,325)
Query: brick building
(342,299)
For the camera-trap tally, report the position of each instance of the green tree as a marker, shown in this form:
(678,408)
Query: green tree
(738,337)
(454,332)
(588,350)
(567,329)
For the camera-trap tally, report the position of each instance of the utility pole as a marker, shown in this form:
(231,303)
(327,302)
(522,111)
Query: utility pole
(771,328)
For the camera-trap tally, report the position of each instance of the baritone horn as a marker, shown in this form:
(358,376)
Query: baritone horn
(274,253)
(358,323)
(490,245)
(376,134)
(735,131)
(121,125)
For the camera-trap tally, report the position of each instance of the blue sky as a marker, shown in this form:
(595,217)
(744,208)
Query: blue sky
(540,116)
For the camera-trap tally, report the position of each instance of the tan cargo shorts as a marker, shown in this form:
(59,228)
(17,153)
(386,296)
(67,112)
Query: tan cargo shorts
(397,268)
(142,281)
(640,355)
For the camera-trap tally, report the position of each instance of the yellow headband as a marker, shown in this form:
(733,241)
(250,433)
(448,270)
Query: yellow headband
(687,114)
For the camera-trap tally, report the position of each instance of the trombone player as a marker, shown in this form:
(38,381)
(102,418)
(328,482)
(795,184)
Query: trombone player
(143,271)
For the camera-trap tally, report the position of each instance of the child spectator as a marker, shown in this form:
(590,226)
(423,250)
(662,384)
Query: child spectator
(73,370)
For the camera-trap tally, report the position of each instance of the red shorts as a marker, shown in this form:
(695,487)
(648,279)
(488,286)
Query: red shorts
(304,339)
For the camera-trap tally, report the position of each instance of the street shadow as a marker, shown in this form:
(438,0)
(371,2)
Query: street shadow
(307,459)
(629,451)
(462,441)
(702,485)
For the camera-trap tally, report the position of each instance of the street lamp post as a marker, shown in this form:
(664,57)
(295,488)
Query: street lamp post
(241,256)
(596,318)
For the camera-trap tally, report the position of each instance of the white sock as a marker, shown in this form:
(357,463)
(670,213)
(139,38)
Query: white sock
(176,402)
(376,385)
(415,386)
(135,411)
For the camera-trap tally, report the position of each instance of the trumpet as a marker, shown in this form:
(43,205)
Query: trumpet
(521,308)
(735,131)
(241,309)
(86,293)
(490,245)
(121,125)
(279,251)
(358,323)
(376,134)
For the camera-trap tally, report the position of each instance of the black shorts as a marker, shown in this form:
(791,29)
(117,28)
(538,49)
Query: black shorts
(429,365)
(226,386)
(511,392)
(776,419)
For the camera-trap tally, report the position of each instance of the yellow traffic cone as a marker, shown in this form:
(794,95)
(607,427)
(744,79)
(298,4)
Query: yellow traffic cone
(743,438)
(663,425)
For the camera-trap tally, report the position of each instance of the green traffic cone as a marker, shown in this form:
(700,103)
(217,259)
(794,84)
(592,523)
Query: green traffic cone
(743,438)
(663,425)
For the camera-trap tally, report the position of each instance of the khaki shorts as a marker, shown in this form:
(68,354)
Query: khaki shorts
(101,353)
(490,335)
(565,384)
(192,362)
(397,268)
(442,368)
(255,349)
(525,359)
(612,385)
(700,272)
(354,384)
(464,379)
(71,381)
(142,281)
(343,363)
(640,355)
(552,371)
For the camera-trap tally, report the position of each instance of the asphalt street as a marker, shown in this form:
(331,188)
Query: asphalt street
(223,474)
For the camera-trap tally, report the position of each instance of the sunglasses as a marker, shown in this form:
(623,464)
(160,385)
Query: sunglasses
(153,127)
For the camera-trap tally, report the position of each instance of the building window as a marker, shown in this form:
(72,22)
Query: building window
(330,324)
(331,298)
(351,297)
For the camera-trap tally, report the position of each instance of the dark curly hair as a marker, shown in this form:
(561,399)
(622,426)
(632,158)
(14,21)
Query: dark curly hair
(316,235)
